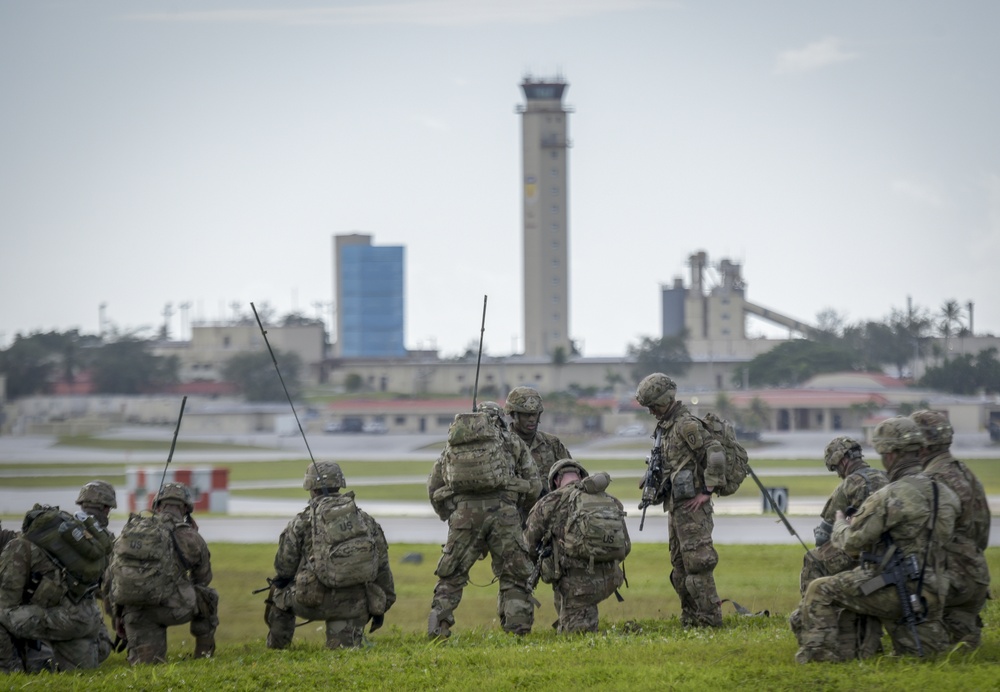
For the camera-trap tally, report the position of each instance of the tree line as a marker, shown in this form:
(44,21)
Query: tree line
(124,363)
(891,345)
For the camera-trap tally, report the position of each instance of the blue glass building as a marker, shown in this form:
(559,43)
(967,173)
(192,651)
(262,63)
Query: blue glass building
(369,298)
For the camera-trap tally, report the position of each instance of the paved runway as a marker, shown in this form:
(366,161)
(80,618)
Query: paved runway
(253,520)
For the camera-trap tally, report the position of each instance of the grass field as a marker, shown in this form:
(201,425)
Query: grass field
(641,645)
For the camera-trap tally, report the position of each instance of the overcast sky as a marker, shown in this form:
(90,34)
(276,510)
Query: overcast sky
(207,151)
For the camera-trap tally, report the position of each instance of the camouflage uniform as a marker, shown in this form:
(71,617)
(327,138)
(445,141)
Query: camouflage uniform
(481,524)
(843,456)
(6,536)
(902,512)
(194,601)
(578,584)
(968,573)
(346,610)
(97,498)
(41,625)
(545,448)
(693,461)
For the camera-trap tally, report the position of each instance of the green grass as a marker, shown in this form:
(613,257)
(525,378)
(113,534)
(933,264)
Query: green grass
(641,645)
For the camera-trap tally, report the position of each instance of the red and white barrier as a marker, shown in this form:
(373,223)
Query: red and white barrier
(209,486)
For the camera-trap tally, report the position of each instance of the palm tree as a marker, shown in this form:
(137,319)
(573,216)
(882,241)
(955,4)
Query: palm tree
(951,321)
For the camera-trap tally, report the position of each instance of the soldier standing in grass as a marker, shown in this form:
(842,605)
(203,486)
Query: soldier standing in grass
(581,557)
(968,573)
(481,484)
(844,457)
(160,574)
(910,520)
(694,466)
(524,406)
(332,565)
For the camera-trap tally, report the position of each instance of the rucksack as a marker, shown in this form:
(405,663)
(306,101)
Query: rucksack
(737,464)
(595,527)
(343,548)
(476,459)
(75,542)
(146,567)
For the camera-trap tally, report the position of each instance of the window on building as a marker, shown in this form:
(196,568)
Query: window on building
(226,341)
(399,420)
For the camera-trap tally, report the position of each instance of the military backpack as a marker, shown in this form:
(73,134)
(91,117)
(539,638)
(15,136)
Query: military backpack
(595,527)
(146,567)
(75,542)
(737,465)
(343,547)
(476,459)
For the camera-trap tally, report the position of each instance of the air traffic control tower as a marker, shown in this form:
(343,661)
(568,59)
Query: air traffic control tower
(544,165)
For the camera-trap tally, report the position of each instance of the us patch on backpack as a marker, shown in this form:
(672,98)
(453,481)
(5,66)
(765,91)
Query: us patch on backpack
(343,549)
(144,571)
(736,456)
(595,528)
(475,460)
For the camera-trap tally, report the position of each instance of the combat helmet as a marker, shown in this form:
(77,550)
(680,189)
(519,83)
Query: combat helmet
(562,465)
(937,429)
(899,434)
(656,390)
(324,475)
(524,400)
(175,491)
(97,493)
(839,448)
(493,410)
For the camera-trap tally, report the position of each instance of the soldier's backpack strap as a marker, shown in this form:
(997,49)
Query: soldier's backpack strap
(930,535)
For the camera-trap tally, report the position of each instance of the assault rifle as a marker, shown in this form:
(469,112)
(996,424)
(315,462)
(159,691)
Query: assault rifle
(653,479)
(896,570)
(544,550)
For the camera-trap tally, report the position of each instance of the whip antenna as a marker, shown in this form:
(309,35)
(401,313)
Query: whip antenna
(479,358)
(282,380)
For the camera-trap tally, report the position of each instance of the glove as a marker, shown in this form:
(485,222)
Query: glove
(823,532)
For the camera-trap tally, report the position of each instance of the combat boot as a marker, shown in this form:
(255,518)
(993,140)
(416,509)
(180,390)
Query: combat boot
(442,631)
(204,646)
(437,628)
